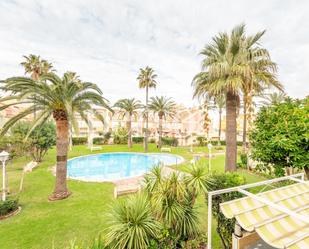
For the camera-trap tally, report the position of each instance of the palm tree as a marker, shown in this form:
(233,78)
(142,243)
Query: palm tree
(147,79)
(274,98)
(35,66)
(131,224)
(219,102)
(234,64)
(60,98)
(164,107)
(128,107)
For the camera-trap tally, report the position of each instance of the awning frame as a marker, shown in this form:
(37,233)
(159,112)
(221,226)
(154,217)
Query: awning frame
(241,189)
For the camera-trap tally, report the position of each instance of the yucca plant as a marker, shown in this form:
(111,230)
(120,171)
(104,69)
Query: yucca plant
(131,224)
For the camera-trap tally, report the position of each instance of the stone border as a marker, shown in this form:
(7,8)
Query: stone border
(17,211)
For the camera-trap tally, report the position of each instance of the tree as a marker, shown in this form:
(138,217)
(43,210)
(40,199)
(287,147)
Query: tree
(41,139)
(60,98)
(281,136)
(164,107)
(35,66)
(131,224)
(220,105)
(128,107)
(147,79)
(231,63)
(274,98)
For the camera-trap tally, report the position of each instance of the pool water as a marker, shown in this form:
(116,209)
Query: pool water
(115,166)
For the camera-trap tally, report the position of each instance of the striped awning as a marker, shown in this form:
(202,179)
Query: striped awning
(288,229)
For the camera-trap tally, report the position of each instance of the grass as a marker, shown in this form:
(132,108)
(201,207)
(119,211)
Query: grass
(44,224)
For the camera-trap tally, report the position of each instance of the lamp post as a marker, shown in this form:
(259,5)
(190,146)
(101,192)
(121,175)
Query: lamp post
(209,145)
(4,156)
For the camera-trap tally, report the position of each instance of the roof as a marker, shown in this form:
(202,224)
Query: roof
(279,216)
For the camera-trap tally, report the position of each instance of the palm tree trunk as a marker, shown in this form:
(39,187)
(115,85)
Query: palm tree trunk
(129,131)
(231,132)
(220,124)
(307,172)
(146,130)
(160,132)
(244,131)
(62,129)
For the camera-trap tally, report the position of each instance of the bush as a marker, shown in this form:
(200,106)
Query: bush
(120,135)
(225,227)
(243,160)
(170,141)
(98,140)
(107,136)
(152,141)
(138,140)
(79,140)
(8,206)
(40,140)
(280,137)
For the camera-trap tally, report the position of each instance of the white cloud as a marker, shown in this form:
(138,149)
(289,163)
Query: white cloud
(108,41)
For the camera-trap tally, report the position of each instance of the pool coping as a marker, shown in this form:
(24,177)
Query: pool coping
(115,181)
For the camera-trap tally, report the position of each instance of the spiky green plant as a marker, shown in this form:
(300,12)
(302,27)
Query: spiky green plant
(131,224)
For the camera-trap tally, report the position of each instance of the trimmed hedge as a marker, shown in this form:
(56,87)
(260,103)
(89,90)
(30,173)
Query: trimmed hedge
(170,141)
(98,140)
(202,141)
(8,206)
(138,140)
(79,140)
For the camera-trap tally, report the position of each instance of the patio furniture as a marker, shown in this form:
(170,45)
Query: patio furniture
(93,148)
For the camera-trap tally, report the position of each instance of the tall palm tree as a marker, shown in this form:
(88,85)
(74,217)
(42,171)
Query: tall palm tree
(274,98)
(164,107)
(128,107)
(35,66)
(147,79)
(60,98)
(231,63)
(219,102)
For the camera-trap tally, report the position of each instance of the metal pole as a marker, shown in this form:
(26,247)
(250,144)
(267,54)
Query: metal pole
(209,166)
(3,181)
(209,221)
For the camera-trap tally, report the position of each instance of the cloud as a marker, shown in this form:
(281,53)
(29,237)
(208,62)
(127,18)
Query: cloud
(108,41)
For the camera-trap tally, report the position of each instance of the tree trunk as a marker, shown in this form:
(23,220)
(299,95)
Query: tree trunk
(62,128)
(244,130)
(160,132)
(231,132)
(307,172)
(146,130)
(129,131)
(220,124)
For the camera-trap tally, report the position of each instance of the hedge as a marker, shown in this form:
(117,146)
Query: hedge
(138,140)
(170,141)
(79,140)
(202,141)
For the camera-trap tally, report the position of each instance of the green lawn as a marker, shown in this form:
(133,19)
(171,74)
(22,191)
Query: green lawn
(42,224)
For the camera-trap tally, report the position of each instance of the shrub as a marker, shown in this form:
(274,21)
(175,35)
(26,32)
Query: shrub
(170,141)
(281,136)
(152,141)
(138,140)
(8,206)
(120,135)
(98,140)
(225,227)
(243,160)
(202,141)
(40,140)
(79,140)
(107,136)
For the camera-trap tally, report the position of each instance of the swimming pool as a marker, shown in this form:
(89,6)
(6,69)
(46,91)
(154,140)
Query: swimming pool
(115,166)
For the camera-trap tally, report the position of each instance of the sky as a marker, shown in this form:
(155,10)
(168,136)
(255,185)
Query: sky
(108,41)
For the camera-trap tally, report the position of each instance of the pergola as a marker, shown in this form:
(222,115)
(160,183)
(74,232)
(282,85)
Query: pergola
(279,216)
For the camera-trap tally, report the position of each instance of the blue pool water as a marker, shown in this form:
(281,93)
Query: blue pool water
(114,166)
